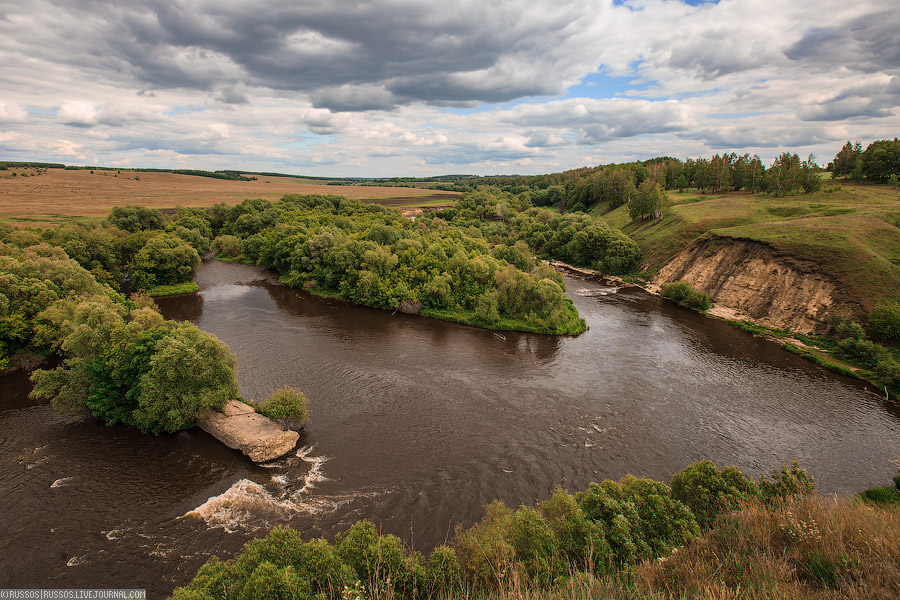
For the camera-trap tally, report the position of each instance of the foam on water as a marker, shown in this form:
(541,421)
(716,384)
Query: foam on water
(249,505)
(315,474)
(246,504)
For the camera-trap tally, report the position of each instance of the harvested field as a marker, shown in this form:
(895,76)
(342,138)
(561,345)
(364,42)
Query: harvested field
(58,195)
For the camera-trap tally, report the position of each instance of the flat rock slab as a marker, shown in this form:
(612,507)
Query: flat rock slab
(239,427)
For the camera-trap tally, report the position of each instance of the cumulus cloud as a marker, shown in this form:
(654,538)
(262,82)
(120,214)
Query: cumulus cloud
(869,43)
(405,85)
(12,113)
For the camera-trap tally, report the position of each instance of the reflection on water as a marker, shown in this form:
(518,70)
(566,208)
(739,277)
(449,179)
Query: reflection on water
(416,424)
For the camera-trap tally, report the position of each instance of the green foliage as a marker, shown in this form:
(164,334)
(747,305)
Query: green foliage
(443,574)
(648,202)
(880,496)
(884,321)
(845,161)
(194,237)
(877,359)
(485,554)
(707,491)
(287,405)
(881,159)
(31,280)
(640,517)
(846,329)
(125,364)
(227,246)
(165,259)
(372,256)
(135,218)
(191,371)
(581,542)
(381,560)
(575,238)
(787,483)
(684,293)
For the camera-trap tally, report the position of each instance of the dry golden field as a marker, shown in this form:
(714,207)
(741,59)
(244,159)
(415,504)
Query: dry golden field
(57,195)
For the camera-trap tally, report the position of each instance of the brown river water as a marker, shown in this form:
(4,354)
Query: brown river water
(416,424)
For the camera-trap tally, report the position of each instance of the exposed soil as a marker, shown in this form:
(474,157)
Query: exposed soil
(749,280)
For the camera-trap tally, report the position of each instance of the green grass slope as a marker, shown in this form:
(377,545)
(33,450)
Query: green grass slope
(852,232)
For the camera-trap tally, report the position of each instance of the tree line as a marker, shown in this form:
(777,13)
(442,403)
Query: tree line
(879,162)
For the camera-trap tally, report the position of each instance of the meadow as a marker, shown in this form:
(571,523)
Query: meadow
(54,196)
(850,232)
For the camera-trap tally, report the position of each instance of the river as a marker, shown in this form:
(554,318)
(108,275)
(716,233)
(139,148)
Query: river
(416,424)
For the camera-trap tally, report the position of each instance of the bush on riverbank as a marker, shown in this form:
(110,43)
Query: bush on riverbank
(124,363)
(684,293)
(287,405)
(627,539)
(32,278)
(136,245)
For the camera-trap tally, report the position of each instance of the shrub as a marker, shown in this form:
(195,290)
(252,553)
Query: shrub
(707,491)
(227,246)
(640,517)
(880,496)
(288,406)
(581,541)
(788,482)
(485,554)
(684,293)
(537,549)
(884,322)
(849,330)
(268,582)
(442,573)
(380,560)
(165,259)
(213,580)
(318,562)
(135,218)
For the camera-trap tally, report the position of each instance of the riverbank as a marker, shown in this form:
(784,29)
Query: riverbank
(187,287)
(572,327)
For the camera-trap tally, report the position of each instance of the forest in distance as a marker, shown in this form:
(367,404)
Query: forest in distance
(83,291)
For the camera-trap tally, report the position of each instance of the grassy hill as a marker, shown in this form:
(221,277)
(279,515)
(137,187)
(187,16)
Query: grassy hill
(852,232)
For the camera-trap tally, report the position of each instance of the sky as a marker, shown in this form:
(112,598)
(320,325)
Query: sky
(387,88)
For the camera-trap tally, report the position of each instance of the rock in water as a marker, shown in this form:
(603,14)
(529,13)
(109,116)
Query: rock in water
(238,426)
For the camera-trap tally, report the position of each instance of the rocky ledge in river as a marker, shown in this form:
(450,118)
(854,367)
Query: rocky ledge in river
(239,427)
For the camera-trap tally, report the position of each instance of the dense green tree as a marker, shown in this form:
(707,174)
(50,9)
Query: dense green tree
(648,202)
(881,159)
(784,176)
(617,185)
(136,218)
(191,371)
(845,161)
(31,280)
(809,175)
(165,259)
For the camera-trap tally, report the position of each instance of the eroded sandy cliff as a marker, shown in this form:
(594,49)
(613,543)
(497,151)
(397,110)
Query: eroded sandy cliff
(748,279)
